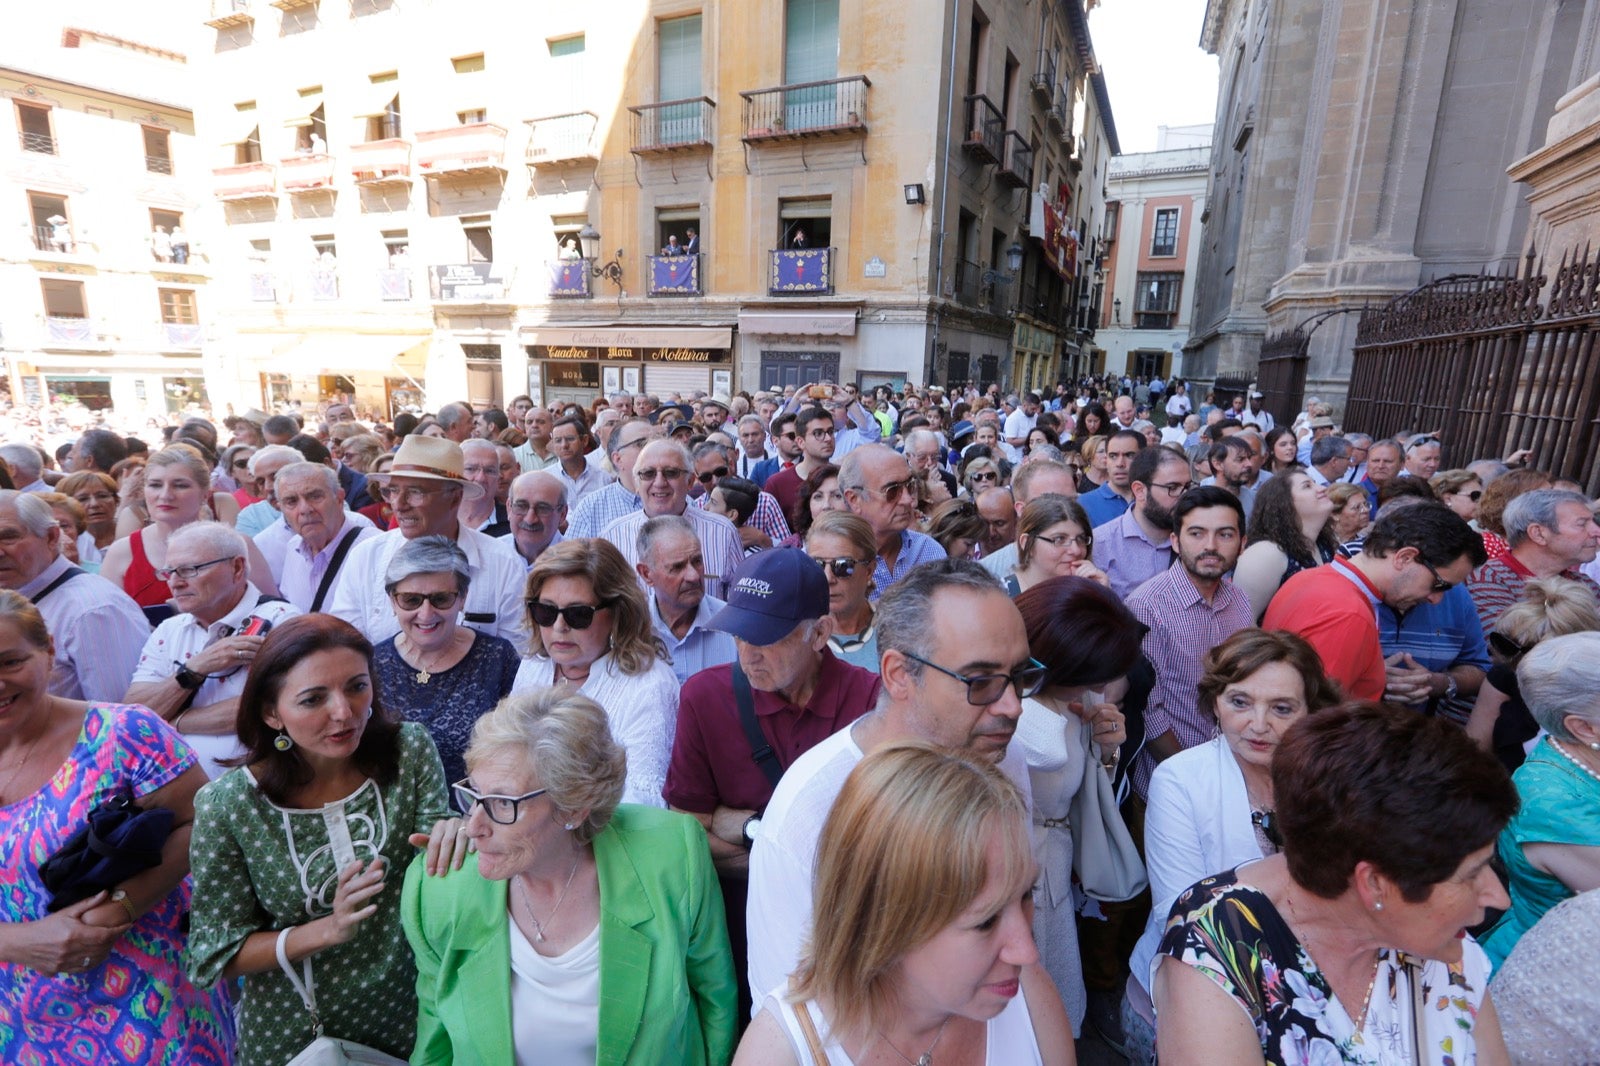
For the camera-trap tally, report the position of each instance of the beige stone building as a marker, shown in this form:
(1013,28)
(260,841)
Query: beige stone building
(427,201)
(102,277)
(1153,228)
(1361,150)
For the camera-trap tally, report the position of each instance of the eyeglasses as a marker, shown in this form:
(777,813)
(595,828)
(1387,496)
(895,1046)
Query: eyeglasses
(984,475)
(502,810)
(666,473)
(1061,540)
(1267,822)
(1474,496)
(1173,488)
(894,490)
(541,510)
(411,494)
(791,435)
(578,615)
(411,601)
(984,689)
(167,573)
(637,442)
(470,471)
(1439,583)
(709,476)
(842,567)
(1507,647)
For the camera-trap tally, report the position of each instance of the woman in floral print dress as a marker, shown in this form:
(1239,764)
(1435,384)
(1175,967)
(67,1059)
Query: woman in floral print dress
(1350,945)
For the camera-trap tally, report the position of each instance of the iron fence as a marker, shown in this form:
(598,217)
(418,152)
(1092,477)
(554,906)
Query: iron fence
(1281,376)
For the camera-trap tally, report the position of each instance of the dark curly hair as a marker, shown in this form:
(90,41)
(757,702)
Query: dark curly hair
(1274,518)
(800,521)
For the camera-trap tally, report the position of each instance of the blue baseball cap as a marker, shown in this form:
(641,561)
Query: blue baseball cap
(770,593)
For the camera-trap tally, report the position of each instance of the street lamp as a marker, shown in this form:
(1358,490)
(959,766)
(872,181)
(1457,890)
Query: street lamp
(1013,264)
(611,271)
(1116,310)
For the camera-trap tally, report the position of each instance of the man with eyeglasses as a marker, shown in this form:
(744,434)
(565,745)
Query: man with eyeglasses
(1413,555)
(325,532)
(662,473)
(482,467)
(569,440)
(878,485)
(1188,609)
(785,451)
(599,509)
(425,487)
(98,630)
(925,452)
(814,428)
(1137,545)
(537,506)
(673,569)
(713,462)
(193,667)
(958,685)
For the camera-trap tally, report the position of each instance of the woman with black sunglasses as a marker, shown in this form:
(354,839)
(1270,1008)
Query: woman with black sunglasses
(437,671)
(1460,490)
(592,632)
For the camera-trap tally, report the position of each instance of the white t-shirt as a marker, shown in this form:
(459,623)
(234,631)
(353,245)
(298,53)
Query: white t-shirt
(778,910)
(1019,424)
(555,1002)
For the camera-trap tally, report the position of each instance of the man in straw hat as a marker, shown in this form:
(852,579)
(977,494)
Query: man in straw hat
(425,486)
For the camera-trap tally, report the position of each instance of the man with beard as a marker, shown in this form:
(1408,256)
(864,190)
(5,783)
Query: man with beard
(1137,546)
(1233,468)
(673,568)
(786,442)
(1116,496)
(1189,609)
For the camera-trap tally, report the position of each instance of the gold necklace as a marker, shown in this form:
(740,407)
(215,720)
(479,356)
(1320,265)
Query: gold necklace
(1360,1019)
(20,763)
(424,674)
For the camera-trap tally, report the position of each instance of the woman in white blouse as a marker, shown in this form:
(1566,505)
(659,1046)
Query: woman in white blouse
(591,631)
(1211,806)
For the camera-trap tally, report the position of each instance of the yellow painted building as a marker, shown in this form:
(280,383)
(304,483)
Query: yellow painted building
(428,201)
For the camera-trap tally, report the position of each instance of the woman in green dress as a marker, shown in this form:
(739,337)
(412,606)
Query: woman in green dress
(312,833)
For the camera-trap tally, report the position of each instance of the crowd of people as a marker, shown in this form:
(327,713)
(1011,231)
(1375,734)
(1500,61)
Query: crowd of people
(808,726)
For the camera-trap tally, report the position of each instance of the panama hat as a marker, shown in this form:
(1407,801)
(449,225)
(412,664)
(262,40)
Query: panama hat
(429,459)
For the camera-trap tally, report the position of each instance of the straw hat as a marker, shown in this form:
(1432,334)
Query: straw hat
(429,459)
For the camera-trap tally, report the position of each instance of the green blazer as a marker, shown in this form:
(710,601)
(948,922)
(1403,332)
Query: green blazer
(667,992)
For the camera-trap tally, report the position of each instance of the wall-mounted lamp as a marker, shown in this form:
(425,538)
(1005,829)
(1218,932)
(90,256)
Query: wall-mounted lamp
(915,195)
(611,271)
(1013,264)
(1116,310)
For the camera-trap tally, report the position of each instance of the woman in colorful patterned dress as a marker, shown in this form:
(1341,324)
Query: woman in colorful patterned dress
(1350,945)
(100,980)
(313,834)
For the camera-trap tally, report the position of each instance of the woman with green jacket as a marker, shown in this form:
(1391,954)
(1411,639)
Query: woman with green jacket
(582,931)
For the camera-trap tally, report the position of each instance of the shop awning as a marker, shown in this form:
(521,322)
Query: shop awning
(799,323)
(395,354)
(599,337)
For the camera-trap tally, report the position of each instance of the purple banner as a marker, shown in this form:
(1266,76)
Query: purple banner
(674,275)
(569,277)
(799,270)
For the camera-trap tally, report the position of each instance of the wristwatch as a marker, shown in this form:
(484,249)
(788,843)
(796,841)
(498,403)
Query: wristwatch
(1450,686)
(187,678)
(750,830)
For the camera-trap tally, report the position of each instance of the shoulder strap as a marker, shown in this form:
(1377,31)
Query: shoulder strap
(760,750)
(808,1029)
(66,575)
(304,988)
(333,568)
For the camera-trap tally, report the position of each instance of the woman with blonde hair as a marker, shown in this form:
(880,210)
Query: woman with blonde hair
(958,527)
(981,472)
(96,493)
(592,631)
(843,545)
(921,939)
(177,483)
(1459,490)
(1352,514)
(1094,464)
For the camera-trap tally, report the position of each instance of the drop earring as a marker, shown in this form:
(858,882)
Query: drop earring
(283,742)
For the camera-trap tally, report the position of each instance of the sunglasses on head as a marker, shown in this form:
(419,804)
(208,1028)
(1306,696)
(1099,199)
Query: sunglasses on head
(578,615)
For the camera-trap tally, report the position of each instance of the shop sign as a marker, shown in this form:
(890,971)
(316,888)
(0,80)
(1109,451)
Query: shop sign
(621,354)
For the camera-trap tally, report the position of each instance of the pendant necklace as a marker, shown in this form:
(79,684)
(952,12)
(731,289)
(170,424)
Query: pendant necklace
(527,908)
(924,1059)
(423,674)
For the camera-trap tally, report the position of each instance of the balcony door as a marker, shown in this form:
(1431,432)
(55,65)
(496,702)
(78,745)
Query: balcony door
(678,73)
(810,53)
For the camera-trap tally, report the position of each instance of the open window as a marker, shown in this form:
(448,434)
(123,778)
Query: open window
(63,298)
(566,229)
(480,238)
(384,123)
(157,150)
(34,129)
(52,225)
(805,223)
(678,231)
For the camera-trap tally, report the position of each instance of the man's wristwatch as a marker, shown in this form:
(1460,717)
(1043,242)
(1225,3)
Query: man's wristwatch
(1450,686)
(751,830)
(188,679)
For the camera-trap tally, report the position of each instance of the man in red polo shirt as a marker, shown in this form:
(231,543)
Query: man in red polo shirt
(799,694)
(1413,554)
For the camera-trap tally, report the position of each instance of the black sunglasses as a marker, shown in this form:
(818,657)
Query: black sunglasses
(984,689)
(411,601)
(842,567)
(578,615)
(1267,822)
(1507,647)
(712,475)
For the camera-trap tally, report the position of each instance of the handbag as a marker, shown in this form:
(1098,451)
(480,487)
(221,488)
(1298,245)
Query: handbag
(1104,858)
(119,839)
(325,1050)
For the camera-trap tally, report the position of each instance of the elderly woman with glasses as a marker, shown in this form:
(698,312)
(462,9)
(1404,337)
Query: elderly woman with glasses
(96,493)
(584,929)
(592,632)
(437,671)
(980,472)
(1054,539)
(1460,490)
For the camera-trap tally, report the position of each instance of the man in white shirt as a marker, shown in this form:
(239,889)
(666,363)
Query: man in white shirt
(979,634)
(1178,403)
(1021,421)
(662,473)
(325,533)
(753,447)
(193,667)
(537,504)
(1259,415)
(425,487)
(535,453)
(264,466)
(673,568)
(568,440)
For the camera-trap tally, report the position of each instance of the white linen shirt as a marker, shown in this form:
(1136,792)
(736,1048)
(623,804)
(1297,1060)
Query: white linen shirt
(719,543)
(303,571)
(494,599)
(98,632)
(179,639)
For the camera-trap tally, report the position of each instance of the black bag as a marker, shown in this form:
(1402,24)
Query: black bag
(120,840)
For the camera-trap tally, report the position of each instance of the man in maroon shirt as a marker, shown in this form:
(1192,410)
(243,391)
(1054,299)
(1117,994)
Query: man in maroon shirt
(814,427)
(799,692)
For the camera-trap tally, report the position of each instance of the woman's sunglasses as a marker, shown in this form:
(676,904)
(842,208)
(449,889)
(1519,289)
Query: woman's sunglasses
(842,567)
(578,615)
(1507,647)
(1474,496)
(411,601)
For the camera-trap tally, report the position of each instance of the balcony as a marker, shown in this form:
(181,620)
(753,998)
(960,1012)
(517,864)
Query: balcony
(1044,79)
(290,5)
(394,284)
(42,143)
(972,290)
(158,164)
(245,181)
(1017,170)
(58,240)
(476,148)
(228,13)
(1057,115)
(382,162)
(181,334)
(305,172)
(837,107)
(801,272)
(673,275)
(563,140)
(570,279)
(985,130)
(673,126)
(62,329)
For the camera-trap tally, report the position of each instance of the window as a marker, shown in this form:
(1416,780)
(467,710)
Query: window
(480,238)
(677,222)
(566,229)
(63,299)
(325,249)
(397,242)
(168,242)
(385,125)
(678,78)
(325,267)
(178,307)
(977,49)
(1008,91)
(567,46)
(811,53)
(52,227)
(805,223)
(565,89)
(311,133)
(157,150)
(1164,237)
(1156,300)
(249,149)
(33,124)
(468,64)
